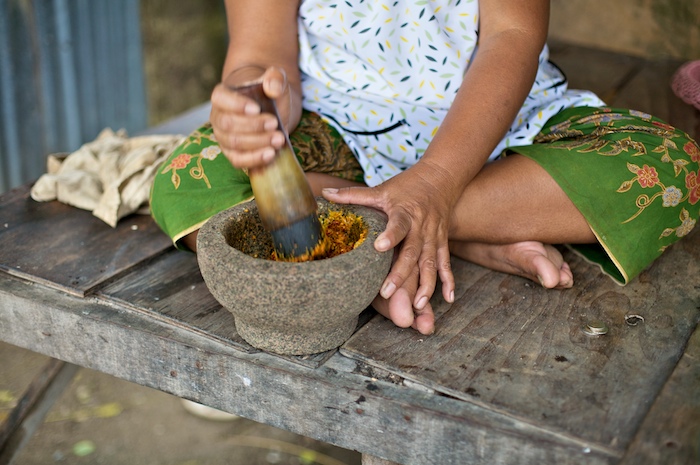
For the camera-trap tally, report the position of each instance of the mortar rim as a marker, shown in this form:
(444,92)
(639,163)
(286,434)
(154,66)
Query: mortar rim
(213,233)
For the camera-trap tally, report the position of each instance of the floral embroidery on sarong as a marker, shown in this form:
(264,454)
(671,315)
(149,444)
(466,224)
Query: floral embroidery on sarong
(634,178)
(604,139)
(204,133)
(183,159)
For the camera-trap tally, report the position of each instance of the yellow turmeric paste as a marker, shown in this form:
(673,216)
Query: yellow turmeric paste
(342,232)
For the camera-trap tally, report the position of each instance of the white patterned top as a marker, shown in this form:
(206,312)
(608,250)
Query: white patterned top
(385,72)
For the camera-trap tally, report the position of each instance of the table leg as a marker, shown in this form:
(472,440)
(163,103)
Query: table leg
(30,411)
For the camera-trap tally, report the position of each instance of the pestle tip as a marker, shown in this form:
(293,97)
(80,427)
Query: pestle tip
(298,238)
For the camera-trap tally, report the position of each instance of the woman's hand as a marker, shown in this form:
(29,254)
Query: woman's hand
(249,138)
(418,203)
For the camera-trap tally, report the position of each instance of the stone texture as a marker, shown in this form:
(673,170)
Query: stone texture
(289,308)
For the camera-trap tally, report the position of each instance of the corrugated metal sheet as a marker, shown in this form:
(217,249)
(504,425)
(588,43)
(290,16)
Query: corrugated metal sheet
(68,69)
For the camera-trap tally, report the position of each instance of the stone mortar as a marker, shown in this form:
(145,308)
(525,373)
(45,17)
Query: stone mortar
(289,308)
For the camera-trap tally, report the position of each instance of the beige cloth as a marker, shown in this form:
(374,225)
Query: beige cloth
(110,176)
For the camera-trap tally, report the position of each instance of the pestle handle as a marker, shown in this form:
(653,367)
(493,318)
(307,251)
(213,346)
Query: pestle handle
(286,204)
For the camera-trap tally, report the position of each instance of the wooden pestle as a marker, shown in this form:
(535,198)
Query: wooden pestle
(286,204)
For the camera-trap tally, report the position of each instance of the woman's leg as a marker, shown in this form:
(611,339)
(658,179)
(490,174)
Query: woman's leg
(507,217)
(512,200)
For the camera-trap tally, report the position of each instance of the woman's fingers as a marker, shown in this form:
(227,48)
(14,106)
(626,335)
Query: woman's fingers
(398,225)
(248,138)
(227,100)
(367,196)
(405,264)
(445,273)
(275,82)
(418,228)
(249,149)
(435,262)
(428,275)
(240,142)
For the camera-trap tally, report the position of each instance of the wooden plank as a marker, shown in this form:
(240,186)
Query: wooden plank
(334,403)
(68,248)
(670,434)
(30,411)
(516,348)
(599,71)
(171,288)
(627,82)
(650,90)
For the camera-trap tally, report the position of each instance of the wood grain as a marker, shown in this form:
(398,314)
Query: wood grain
(171,287)
(670,434)
(508,377)
(334,403)
(518,349)
(627,82)
(369,460)
(68,248)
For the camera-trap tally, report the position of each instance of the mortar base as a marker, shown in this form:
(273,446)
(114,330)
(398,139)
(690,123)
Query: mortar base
(304,341)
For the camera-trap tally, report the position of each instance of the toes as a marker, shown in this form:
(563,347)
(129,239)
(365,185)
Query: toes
(401,312)
(424,321)
(566,279)
(401,309)
(546,271)
(543,263)
(398,308)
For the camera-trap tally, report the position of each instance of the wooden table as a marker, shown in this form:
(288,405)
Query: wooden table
(509,377)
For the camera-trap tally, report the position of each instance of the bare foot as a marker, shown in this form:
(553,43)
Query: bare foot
(399,308)
(539,262)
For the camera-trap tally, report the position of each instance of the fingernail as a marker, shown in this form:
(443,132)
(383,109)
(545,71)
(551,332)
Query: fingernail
(539,278)
(452,297)
(276,88)
(330,190)
(270,125)
(388,289)
(277,139)
(421,303)
(382,244)
(251,109)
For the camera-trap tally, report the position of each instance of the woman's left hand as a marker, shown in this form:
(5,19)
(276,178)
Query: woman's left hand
(418,204)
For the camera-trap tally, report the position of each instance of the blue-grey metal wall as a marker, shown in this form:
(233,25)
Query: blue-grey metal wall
(68,69)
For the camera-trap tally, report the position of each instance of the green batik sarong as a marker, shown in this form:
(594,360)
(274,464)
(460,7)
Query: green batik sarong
(633,177)
(197,181)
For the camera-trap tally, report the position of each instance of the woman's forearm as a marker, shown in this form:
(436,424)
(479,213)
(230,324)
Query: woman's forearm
(264,33)
(494,89)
